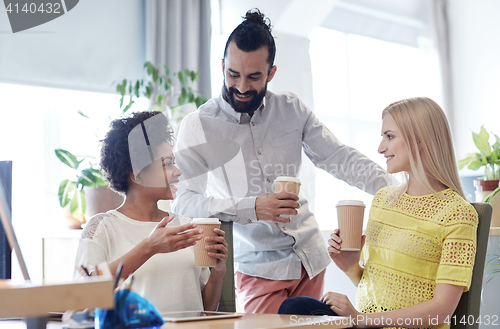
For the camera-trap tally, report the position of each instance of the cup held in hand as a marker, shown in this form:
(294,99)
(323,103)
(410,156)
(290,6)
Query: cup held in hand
(201,257)
(287,183)
(350,215)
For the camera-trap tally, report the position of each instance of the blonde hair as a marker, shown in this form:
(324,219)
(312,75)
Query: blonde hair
(427,136)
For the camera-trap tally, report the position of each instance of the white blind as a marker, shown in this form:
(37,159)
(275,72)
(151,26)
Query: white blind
(401,24)
(88,48)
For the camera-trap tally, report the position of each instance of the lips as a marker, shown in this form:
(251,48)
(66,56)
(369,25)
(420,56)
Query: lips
(172,185)
(243,97)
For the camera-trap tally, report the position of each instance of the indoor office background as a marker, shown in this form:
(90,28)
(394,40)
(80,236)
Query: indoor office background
(346,59)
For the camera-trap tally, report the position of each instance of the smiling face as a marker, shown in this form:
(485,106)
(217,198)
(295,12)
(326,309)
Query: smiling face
(162,172)
(246,75)
(393,147)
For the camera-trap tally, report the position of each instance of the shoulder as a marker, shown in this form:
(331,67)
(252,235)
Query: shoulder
(458,210)
(94,223)
(381,197)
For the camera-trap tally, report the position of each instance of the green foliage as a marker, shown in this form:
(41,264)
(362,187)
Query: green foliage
(492,268)
(158,87)
(71,191)
(487,157)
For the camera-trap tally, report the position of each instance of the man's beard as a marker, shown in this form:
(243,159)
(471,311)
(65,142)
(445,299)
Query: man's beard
(244,107)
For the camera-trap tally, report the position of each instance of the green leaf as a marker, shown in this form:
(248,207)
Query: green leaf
(475,165)
(182,78)
(492,195)
(78,205)
(160,98)
(86,177)
(155,74)
(469,157)
(82,114)
(136,88)
(99,177)
(496,145)
(66,188)
(149,68)
(167,70)
(67,158)
(200,100)
(481,141)
(128,105)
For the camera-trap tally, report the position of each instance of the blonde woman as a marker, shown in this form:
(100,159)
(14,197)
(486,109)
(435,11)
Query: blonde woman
(420,238)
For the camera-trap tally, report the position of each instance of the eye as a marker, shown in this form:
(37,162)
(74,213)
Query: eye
(234,76)
(254,78)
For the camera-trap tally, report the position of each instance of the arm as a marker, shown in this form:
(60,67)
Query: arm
(212,291)
(342,161)
(191,199)
(438,310)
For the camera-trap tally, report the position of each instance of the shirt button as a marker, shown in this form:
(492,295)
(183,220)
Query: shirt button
(294,247)
(258,153)
(253,123)
(237,121)
(284,228)
(268,180)
(249,220)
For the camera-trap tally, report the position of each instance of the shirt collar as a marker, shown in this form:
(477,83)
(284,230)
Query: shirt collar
(232,114)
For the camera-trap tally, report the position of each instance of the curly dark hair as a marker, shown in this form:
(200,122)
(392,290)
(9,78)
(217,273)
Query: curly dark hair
(117,151)
(252,34)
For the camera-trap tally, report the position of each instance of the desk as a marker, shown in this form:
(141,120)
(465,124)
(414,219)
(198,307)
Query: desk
(262,321)
(248,321)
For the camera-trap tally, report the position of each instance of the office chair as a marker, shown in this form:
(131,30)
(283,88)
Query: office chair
(467,312)
(228,299)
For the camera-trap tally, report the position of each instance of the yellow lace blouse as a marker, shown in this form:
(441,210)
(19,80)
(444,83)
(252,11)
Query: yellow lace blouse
(413,244)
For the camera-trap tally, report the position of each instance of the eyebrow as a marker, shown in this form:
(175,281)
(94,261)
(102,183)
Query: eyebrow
(387,131)
(251,74)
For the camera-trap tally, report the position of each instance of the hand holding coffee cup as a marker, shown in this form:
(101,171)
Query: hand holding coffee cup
(350,215)
(201,256)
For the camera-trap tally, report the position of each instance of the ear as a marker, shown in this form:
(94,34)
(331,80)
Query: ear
(271,73)
(135,177)
(222,65)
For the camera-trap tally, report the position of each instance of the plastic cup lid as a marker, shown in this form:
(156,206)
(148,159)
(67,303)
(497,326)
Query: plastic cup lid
(350,203)
(287,179)
(205,221)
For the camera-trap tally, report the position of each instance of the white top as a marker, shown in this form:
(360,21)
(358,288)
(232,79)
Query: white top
(171,281)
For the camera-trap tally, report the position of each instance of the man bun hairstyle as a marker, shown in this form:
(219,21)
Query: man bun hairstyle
(252,34)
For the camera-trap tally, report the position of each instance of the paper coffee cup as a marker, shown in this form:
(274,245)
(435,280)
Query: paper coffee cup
(287,183)
(350,218)
(201,257)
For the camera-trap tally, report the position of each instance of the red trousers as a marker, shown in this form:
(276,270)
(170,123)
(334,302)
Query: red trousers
(258,295)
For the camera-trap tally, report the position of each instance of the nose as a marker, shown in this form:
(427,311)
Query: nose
(242,86)
(177,172)
(382,147)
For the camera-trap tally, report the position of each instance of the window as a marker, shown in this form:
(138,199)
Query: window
(354,79)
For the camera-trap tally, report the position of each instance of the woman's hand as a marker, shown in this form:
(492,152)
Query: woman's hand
(218,250)
(345,260)
(340,304)
(164,240)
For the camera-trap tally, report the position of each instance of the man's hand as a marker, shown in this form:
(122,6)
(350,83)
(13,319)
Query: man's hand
(270,207)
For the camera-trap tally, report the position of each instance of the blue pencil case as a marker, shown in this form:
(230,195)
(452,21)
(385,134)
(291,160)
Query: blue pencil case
(130,311)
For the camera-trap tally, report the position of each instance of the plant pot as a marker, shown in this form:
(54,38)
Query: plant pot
(100,199)
(483,189)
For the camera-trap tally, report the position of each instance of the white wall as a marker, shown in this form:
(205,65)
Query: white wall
(475,56)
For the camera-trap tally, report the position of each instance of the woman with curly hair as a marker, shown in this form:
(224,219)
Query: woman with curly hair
(420,241)
(138,162)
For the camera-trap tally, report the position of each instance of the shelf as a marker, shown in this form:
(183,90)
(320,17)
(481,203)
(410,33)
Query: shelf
(27,300)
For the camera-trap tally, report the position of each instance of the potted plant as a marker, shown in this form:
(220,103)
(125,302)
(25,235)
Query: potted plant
(71,190)
(489,158)
(160,88)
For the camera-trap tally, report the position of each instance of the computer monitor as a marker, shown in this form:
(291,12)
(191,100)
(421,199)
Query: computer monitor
(5,251)
(6,221)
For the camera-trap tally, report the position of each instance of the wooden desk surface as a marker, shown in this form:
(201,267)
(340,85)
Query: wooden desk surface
(263,321)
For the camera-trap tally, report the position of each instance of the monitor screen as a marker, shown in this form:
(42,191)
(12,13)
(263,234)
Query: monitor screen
(5,251)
